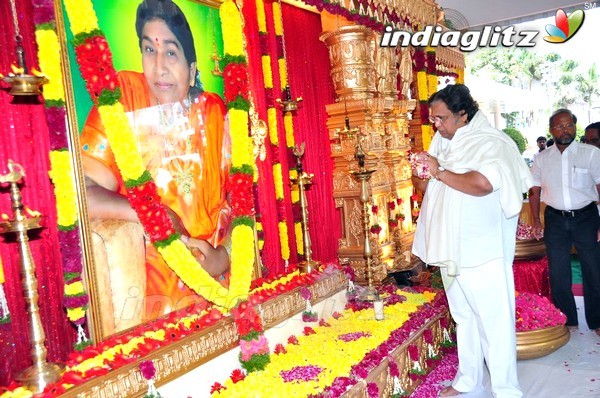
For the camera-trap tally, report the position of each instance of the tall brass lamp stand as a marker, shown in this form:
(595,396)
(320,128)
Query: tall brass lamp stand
(41,373)
(304,181)
(363,176)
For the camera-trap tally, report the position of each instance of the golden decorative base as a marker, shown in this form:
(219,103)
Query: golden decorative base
(369,293)
(25,84)
(530,249)
(308,266)
(36,378)
(541,342)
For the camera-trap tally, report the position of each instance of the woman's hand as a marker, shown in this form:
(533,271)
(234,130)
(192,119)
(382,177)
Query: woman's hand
(215,261)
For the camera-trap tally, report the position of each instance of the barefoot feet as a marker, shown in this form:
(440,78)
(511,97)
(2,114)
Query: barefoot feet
(449,392)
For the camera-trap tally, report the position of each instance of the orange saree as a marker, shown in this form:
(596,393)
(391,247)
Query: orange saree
(187,152)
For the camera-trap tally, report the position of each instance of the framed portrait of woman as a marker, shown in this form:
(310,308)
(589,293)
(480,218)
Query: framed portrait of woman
(166,54)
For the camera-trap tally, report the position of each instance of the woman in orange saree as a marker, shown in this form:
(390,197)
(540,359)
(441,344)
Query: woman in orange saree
(182,136)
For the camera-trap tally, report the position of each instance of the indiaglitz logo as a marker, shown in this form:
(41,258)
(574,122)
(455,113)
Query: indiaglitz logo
(566,26)
(488,36)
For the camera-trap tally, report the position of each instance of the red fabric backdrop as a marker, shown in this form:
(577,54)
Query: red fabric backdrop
(24,138)
(309,76)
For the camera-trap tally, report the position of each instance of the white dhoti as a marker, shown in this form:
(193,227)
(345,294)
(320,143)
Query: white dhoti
(482,303)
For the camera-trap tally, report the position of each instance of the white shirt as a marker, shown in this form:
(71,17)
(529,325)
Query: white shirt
(568,180)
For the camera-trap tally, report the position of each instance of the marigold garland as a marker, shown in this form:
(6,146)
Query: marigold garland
(423,96)
(288,122)
(273,129)
(89,44)
(253,344)
(460,78)
(75,297)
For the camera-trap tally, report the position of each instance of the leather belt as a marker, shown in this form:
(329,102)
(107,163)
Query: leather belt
(572,213)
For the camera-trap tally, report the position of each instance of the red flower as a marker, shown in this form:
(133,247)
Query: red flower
(391,205)
(307,331)
(96,66)
(119,360)
(237,375)
(292,340)
(419,58)
(151,212)
(280,349)
(374,209)
(217,387)
(425,113)
(376,229)
(428,336)
(97,371)
(413,352)
(242,203)
(236,81)
(72,377)
(246,319)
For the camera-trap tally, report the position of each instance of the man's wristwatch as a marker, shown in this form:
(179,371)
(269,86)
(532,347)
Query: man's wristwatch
(440,169)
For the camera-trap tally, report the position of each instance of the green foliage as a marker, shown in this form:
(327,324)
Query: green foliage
(511,118)
(517,138)
(564,80)
(256,363)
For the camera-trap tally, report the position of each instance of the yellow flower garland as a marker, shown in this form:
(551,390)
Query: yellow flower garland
(19,392)
(299,239)
(272,124)
(423,90)
(238,122)
(460,79)
(49,56)
(233,36)
(283,238)
(61,175)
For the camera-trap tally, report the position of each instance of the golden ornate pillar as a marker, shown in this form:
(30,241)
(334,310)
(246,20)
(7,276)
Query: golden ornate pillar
(365,80)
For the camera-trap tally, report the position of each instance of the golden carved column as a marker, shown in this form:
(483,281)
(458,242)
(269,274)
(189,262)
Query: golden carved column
(354,59)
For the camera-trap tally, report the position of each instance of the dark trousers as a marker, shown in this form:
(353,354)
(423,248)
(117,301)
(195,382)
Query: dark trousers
(560,233)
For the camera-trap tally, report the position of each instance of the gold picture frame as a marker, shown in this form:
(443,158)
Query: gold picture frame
(204,20)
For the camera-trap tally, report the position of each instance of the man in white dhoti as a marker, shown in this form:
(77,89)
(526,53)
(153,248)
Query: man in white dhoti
(467,227)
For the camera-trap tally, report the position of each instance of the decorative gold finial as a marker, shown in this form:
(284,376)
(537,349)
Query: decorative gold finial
(215,58)
(288,104)
(258,132)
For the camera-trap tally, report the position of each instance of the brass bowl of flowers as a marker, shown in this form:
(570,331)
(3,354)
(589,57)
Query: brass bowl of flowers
(540,326)
(540,342)
(530,249)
